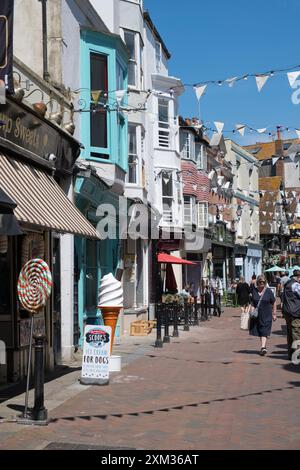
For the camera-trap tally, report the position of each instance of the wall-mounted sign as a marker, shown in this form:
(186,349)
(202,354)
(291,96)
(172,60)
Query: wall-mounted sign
(239,261)
(6,43)
(96,355)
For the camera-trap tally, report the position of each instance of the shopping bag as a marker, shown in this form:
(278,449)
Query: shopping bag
(245,320)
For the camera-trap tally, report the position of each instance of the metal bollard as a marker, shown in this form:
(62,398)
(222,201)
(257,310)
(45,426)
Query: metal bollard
(158,314)
(39,412)
(166,323)
(175,320)
(186,316)
(197,323)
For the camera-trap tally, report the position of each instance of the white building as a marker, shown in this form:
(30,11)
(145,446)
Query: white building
(248,251)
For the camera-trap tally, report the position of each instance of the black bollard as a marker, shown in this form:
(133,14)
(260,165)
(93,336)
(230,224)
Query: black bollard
(166,323)
(186,316)
(196,311)
(39,412)
(175,320)
(158,314)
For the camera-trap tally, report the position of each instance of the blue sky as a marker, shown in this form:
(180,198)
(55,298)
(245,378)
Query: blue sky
(219,39)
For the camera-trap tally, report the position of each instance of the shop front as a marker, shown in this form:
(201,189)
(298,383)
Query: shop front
(253,262)
(42,209)
(240,253)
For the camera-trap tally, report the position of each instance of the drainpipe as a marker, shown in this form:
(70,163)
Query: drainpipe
(46,74)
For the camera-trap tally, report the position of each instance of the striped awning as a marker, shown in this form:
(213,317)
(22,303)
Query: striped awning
(40,200)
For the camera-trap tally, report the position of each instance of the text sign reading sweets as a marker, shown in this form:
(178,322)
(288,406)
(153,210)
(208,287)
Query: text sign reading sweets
(96,354)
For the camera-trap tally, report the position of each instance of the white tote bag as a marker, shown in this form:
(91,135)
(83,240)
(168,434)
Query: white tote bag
(245,319)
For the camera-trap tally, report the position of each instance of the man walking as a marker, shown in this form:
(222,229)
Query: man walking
(291,310)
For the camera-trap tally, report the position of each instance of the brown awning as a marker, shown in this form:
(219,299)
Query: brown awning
(40,200)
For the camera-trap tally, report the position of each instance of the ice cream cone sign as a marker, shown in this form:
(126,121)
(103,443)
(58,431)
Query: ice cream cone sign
(110,301)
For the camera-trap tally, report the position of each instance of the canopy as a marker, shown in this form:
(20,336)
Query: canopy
(274,269)
(165,258)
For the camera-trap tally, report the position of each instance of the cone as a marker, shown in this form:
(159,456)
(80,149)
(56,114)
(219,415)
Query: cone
(110,316)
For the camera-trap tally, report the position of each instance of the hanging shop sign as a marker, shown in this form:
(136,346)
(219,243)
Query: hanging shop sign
(6,44)
(96,355)
(27,130)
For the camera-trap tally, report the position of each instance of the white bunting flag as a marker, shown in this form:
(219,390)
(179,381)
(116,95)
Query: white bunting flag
(226,185)
(294,193)
(120,95)
(298,133)
(263,223)
(231,81)
(194,187)
(274,160)
(264,213)
(199,90)
(261,81)
(292,156)
(261,131)
(219,126)
(240,128)
(292,77)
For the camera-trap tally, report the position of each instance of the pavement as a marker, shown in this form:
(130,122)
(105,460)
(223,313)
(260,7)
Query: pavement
(208,389)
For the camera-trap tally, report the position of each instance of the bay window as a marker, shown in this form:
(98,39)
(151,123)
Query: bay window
(98,118)
(135,65)
(167,196)
(163,123)
(187,145)
(189,210)
(201,156)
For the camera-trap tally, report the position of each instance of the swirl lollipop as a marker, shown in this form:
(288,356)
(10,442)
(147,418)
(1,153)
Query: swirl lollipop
(34,285)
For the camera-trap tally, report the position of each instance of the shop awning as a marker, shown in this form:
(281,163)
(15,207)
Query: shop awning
(165,258)
(40,200)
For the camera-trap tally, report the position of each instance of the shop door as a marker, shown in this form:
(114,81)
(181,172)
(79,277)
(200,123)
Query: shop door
(56,301)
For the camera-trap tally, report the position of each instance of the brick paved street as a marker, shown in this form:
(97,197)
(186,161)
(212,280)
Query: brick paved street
(208,389)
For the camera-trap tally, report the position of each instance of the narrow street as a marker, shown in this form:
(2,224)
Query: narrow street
(208,389)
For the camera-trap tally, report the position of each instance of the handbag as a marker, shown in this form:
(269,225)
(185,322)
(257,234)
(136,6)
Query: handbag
(254,312)
(245,320)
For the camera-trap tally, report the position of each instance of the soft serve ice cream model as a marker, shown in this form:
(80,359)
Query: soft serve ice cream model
(110,301)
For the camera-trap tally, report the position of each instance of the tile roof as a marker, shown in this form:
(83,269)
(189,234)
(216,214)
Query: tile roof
(265,150)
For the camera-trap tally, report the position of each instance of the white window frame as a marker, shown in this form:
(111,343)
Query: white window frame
(158,56)
(168,214)
(201,156)
(202,212)
(187,147)
(136,155)
(138,59)
(189,210)
(163,134)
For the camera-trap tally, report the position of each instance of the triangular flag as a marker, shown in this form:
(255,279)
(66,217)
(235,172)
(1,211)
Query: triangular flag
(219,126)
(120,95)
(292,77)
(194,187)
(294,193)
(200,89)
(274,160)
(240,128)
(264,213)
(298,133)
(96,95)
(292,156)
(261,131)
(226,185)
(261,81)
(231,81)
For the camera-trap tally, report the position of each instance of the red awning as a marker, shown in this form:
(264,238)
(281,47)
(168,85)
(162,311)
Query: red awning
(165,258)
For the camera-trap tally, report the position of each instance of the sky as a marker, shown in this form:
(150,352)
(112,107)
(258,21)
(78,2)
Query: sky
(219,39)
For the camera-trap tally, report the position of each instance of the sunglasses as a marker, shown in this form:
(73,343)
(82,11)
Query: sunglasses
(261,282)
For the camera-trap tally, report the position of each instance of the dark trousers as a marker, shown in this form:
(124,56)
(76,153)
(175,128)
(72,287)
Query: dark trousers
(217,304)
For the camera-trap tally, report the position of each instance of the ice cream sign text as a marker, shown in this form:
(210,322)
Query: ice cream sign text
(96,354)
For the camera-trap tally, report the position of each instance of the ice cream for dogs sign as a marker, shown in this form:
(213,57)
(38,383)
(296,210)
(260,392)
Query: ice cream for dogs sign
(96,353)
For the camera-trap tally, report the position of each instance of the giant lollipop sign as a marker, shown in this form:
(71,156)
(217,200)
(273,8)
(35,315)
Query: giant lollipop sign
(34,285)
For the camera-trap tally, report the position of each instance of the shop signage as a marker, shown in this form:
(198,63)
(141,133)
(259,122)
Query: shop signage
(239,261)
(6,43)
(27,130)
(254,253)
(96,355)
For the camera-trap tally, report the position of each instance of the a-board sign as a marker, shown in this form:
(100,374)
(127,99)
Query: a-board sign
(96,355)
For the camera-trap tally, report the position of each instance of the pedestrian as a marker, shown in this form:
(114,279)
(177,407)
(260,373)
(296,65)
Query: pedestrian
(217,296)
(253,282)
(243,294)
(291,310)
(262,299)
(284,279)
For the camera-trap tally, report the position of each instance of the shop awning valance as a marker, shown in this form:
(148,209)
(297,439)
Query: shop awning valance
(165,258)
(40,200)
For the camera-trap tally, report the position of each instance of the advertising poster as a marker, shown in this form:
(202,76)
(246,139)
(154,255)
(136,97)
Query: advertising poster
(96,355)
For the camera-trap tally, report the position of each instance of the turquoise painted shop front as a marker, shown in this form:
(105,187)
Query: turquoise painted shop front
(104,135)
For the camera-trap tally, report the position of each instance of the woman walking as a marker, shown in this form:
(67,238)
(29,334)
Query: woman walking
(243,292)
(262,299)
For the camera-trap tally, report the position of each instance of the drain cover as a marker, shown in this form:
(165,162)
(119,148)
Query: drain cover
(75,446)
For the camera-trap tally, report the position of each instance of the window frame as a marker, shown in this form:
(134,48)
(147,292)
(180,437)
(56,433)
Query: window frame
(164,127)
(187,150)
(169,198)
(191,206)
(132,126)
(205,216)
(138,58)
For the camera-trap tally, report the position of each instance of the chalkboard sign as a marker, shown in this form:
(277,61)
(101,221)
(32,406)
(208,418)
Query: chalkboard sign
(96,355)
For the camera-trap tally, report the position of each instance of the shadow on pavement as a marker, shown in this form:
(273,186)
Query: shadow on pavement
(246,351)
(13,390)
(171,408)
